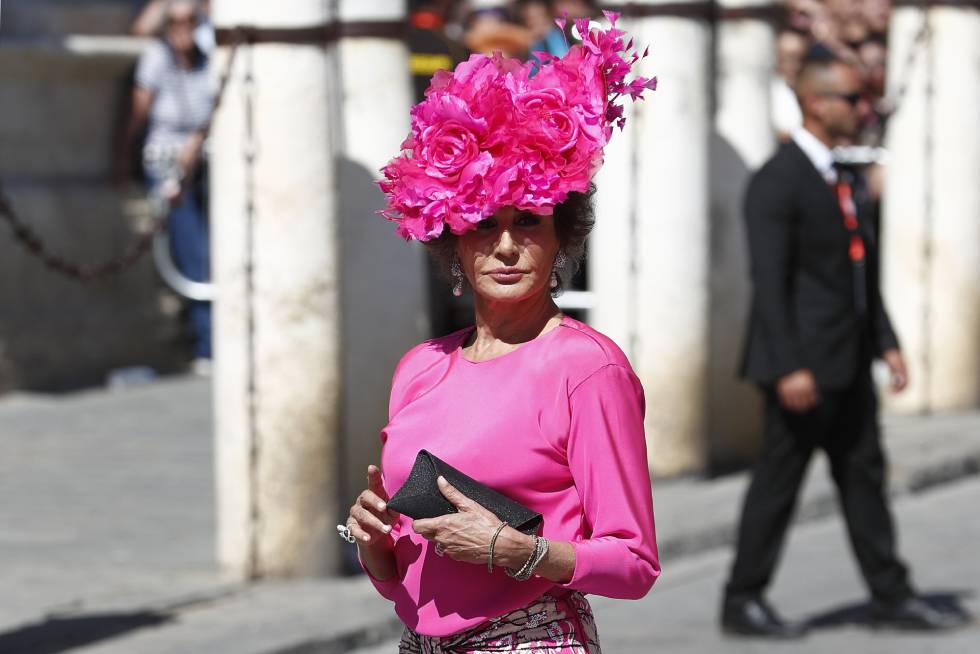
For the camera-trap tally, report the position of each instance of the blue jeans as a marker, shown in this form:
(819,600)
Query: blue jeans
(189,247)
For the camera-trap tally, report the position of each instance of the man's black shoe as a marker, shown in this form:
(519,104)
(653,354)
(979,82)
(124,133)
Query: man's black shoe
(914,614)
(752,616)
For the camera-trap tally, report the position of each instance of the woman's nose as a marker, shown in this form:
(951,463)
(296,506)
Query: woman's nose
(506,245)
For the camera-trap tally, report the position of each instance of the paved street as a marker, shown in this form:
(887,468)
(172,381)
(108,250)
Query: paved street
(818,581)
(107,499)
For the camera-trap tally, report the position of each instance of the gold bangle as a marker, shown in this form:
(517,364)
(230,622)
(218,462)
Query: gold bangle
(493,541)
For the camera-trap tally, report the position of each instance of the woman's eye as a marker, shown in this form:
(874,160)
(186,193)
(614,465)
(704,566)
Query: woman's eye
(528,220)
(486,223)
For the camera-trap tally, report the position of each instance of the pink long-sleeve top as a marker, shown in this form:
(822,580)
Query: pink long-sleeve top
(556,424)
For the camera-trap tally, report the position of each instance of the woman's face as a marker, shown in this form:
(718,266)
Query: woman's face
(509,256)
(181,23)
(537,17)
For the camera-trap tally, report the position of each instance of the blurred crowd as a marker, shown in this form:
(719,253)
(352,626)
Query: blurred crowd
(444,31)
(853,30)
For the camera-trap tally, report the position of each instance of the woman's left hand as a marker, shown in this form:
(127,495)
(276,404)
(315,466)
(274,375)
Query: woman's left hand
(463,536)
(190,153)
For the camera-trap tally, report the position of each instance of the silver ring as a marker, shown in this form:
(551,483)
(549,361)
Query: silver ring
(344,532)
(440,550)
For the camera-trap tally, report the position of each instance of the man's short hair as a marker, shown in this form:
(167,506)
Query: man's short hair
(817,64)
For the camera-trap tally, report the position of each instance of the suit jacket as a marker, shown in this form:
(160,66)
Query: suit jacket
(803,312)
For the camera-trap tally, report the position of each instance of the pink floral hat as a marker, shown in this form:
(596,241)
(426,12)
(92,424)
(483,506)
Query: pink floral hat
(493,134)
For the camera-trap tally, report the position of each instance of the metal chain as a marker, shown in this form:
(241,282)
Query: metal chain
(34,245)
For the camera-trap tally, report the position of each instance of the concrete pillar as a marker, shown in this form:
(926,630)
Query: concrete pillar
(655,237)
(742,140)
(743,73)
(384,286)
(277,313)
(931,224)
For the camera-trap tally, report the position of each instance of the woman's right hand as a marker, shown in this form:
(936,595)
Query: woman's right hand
(370,520)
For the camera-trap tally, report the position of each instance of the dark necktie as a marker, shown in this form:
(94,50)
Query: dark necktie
(856,252)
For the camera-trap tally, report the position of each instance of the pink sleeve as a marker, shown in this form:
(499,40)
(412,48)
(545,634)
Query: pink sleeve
(385,587)
(608,460)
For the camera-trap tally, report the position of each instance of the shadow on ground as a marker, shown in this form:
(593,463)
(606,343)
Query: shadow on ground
(858,614)
(58,634)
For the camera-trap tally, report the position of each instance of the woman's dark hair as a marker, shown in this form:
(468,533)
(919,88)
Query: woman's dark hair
(573,218)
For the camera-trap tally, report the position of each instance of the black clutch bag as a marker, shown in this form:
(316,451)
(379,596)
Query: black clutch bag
(420,497)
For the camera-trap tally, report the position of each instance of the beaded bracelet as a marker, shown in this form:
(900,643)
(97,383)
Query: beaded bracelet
(493,541)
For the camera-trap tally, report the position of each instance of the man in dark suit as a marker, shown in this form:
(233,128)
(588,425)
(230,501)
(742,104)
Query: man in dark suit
(817,321)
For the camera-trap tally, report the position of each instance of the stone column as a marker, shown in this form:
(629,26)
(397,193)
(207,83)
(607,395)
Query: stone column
(931,223)
(385,281)
(742,140)
(277,312)
(652,231)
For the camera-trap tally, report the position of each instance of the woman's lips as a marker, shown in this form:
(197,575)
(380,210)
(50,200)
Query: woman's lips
(506,275)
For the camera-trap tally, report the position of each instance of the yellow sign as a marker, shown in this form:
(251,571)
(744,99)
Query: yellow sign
(427,64)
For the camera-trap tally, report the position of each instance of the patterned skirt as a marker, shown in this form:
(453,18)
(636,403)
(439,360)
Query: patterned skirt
(548,625)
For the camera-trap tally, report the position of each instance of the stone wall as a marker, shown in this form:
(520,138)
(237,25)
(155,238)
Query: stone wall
(54,18)
(64,84)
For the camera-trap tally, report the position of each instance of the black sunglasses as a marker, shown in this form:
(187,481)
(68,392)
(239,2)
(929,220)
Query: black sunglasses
(850,98)
(177,21)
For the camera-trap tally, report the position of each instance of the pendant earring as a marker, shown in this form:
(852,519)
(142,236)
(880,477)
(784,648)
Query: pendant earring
(559,264)
(457,273)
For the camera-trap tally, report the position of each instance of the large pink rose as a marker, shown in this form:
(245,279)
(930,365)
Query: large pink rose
(469,204)
(560,128)
(579,165)
(535,103)
(506,182)
(547,121)
(447,148)
(443,108)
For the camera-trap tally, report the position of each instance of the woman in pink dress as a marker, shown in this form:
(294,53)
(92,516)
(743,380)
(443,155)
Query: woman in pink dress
(495,179)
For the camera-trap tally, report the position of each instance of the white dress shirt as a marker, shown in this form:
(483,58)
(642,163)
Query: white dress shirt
(819,154)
